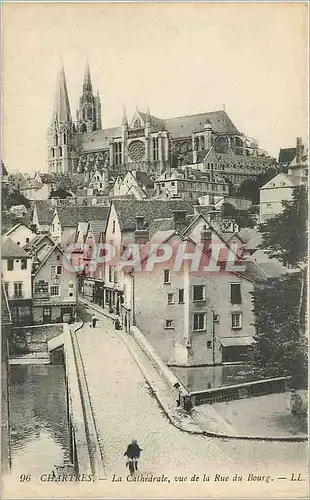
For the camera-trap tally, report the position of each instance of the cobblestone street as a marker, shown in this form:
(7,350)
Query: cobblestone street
(126,409)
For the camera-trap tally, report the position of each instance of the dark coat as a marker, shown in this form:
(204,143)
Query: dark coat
(133,451)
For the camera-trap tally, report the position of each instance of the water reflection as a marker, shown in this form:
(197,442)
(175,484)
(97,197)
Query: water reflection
(209,377)
(38,418)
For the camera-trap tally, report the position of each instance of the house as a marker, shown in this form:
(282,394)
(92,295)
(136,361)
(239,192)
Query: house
(54,287)
(94,235)
(120,231)
(42,216)
(38,188)
(20,234)
(274,192)
(16,275)
(193,318)
(65,220)
(19,211)
(189,184)
(136,184)
(98,180)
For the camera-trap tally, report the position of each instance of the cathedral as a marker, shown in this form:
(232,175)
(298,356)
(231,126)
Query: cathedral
(146,143)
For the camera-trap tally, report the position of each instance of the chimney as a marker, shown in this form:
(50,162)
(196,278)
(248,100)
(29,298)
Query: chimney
(179,217)
(141,234)
(299,150)
(206,236)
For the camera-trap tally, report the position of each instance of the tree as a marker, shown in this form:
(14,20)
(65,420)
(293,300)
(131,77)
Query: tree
(241,217)
(281,347)
(285,235)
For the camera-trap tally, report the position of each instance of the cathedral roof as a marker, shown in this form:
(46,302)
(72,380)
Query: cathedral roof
(183,126)
(99,139)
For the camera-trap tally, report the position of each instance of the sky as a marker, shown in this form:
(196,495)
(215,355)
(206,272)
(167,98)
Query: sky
(176,58)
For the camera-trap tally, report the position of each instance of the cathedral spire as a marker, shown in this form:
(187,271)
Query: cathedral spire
(62,111)
(87,85)
(124,119)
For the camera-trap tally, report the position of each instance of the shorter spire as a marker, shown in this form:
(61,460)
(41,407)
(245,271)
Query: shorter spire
(124,119)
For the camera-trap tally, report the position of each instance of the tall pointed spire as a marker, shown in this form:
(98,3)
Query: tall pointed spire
(124,119)
(62,112)
(87,85)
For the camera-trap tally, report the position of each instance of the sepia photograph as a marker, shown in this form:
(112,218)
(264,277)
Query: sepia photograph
(154,250)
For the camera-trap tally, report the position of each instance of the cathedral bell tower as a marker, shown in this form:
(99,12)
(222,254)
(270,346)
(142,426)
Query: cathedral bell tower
(60,130)
(89,112)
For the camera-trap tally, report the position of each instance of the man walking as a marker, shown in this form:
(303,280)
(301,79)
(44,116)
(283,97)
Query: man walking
(94,321)
(133,454)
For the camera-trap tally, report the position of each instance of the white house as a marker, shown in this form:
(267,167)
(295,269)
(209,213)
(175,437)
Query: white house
(20,234)
(135,183)
(16,276)
(271,195)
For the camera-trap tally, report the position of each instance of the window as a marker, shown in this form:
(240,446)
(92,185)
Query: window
(236,320)
(172,183)
(24,312)
(155,148)
(6,288)
(18,243)
(166,276)
(115,277)
(113,226)
(23,264)
(235,293)
(53,271)
(18,289)
(199,321)
(209,344)
(10,264)
(170,298)
(117,153)
(59,270)
(169,323)
(181,296)
(27,240)
(54,290)
(58,257)
(198,292)
(41,287)
(71,285)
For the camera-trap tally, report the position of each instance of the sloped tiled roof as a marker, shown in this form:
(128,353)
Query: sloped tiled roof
(45,211)
(10,250)
(99,139)
(286,155)
(183,126)
(251,237)
(70,216)
(98,227)
(144,180)
(128,210)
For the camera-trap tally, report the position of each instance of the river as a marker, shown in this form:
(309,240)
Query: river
(38,418)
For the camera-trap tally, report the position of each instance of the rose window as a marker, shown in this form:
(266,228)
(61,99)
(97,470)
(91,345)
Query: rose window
(136,150)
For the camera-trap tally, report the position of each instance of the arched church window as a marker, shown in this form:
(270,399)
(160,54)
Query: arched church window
(196,143)
(52,153)
(89,114)
(56,140)
(65,138)
(60,151)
